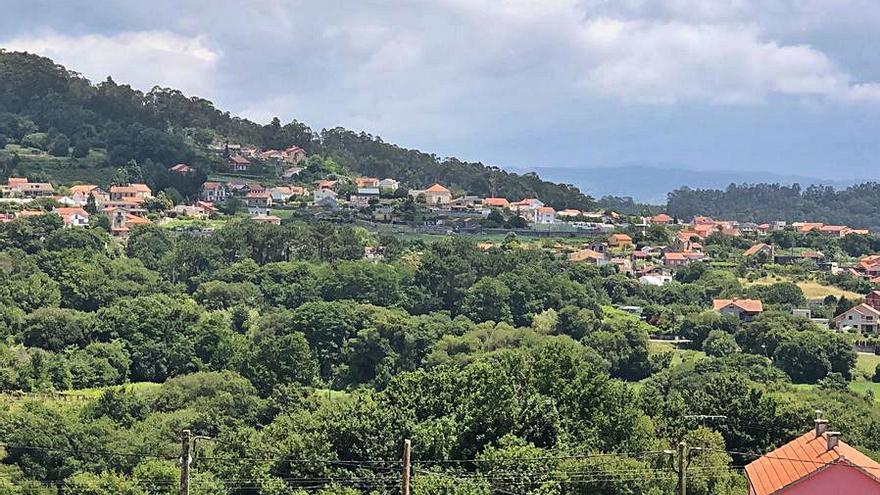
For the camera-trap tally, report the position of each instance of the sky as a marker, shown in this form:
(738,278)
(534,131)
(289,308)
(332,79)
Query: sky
(790,86)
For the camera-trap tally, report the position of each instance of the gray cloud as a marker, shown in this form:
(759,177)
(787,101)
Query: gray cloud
(451,74)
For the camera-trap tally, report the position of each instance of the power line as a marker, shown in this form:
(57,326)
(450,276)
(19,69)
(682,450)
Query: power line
(86,452)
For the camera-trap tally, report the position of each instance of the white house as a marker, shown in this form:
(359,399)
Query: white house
(389,184)
(861,317)
(658,280)
(545,214)
(73,217)
(214,192)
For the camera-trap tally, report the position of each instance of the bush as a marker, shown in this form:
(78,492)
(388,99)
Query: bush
(39,140)
(720,343)
(876,377)
(60,146)
(81,148)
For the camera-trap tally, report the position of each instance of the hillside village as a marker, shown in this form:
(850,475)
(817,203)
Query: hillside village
(607,237)
(330,313)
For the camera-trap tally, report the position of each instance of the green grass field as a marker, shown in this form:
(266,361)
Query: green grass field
(679,355)
(190,223)
(40,165)
(867,362)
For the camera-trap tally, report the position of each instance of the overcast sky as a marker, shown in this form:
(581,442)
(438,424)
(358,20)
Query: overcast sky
(791,85)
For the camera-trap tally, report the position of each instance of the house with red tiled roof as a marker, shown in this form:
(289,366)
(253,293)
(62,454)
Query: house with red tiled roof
(237,163)
(661,219)
(181,168)
(685,239)
(496,202)
(817,462)
(758,249)
(588,256)
(73,217)
(258,202)
(744,309)
(834,230)
(863,317)
(804,227)
(214,192)
(21,187)
(366,182)
(121,221)
(620,241)
(672,259)
(133,193)
(435,195)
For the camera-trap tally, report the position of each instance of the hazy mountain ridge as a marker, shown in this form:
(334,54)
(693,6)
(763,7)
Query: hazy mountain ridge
(649,184)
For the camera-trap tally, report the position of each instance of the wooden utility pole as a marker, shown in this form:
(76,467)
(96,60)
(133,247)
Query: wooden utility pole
(682,468)
(407,451)
(186,443)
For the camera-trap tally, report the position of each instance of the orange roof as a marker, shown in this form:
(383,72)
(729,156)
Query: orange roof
(135,220)
(663,217)
(82,189)
(621,237)
(500,202)
(747,305)
(66,212)
(585,254)
(755,249)
(134,188)
(546,209)
(17,181)
(674,256)
(437,188)
(803,457)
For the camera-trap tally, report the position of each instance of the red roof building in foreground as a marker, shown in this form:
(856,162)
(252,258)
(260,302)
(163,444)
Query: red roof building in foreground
(815,463)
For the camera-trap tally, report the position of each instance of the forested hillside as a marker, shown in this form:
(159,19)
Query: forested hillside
(857,206)
(307,366)
(91,130)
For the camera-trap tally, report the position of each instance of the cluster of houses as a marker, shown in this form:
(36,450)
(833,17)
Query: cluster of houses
(240,158)
(703,226)
(122,204)
(653,265)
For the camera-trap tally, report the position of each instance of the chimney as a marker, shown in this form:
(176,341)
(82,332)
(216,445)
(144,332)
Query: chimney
(821,426)
(832,439)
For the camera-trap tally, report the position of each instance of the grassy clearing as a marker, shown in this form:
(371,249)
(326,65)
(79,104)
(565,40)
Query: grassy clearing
(679,355)
(193,223)
(811,288)
(867,363)
(282,214)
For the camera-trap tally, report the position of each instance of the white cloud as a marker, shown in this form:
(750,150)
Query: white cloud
(143,59)
(669,62)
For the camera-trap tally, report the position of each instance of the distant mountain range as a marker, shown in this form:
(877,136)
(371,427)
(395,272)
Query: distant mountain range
(648,184)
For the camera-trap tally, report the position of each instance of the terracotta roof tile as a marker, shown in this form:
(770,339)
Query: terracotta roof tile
(801,458)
